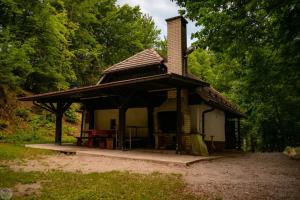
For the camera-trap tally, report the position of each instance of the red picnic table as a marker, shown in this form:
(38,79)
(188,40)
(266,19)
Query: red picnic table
(95,134)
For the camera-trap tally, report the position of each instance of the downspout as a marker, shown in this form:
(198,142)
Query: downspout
(203,119)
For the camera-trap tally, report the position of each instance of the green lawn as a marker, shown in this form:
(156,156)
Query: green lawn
(11,152)
(111,185)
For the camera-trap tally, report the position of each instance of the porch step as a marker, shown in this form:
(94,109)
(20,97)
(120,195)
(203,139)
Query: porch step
(156,157)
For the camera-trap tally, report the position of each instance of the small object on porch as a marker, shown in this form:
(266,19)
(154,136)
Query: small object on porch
(199,148)
(102,144)
(133,138)
(96,135)
(109,143)
(80,140)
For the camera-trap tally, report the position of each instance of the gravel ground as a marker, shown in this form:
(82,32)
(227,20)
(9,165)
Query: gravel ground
(236,176)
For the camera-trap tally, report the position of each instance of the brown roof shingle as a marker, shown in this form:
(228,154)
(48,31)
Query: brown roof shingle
(214,97)
(144,58)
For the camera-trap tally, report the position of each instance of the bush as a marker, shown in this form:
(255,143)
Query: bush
(23,113)
(50,117)
(69,131)
(22,136)
(292,152)
(3,124)
(71,115)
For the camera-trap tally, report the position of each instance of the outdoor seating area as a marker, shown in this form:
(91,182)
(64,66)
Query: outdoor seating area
(107,139)
(101,138)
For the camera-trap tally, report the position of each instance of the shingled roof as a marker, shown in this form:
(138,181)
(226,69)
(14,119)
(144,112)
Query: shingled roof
(148,57)
(215,98)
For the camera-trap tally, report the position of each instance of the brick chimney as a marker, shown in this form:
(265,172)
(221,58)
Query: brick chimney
(177,62)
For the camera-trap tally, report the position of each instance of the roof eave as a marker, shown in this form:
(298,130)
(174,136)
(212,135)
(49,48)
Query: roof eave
(184,82)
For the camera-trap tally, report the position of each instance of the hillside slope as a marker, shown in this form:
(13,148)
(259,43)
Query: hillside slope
(23,122)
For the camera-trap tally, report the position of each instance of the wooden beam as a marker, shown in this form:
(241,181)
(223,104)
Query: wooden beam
(122,128)
(59,110)
(82,121)
(178,121)
(239,133)
(52,106)
(66,106)
(44,107)
(150,126)
(58,125)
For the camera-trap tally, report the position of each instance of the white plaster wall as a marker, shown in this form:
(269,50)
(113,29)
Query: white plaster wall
(103,117)
(214,122)
(195,119)
(134,117)
(138,117)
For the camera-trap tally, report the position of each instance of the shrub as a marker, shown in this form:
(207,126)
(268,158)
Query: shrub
(70,115)
(50,117)
(21,136)
(69,131)
(23,113)
(3,124)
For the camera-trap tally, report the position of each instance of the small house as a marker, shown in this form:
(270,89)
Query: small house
(147,101)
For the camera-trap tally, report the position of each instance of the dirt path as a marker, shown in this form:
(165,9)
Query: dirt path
(248,176)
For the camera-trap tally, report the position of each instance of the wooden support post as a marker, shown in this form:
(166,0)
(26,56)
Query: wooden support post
(122,128)
(58,129)
(82,121)
(239,133)
(150,126)
(179,121)
(59,110)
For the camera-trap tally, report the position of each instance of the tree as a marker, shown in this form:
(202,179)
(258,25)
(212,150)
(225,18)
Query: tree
(106,35)
(56,44)
(36,34)
(262,37)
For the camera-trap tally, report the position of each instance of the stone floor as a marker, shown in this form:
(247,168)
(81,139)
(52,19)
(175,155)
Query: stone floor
(160,156)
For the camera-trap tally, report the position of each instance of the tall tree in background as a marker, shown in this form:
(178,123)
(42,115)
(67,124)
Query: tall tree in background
(261,41)
(106,35)
(34,45)
(55,44)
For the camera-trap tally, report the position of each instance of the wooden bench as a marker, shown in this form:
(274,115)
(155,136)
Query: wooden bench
(94,134)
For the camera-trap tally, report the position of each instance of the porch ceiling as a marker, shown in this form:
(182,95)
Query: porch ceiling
(118,88)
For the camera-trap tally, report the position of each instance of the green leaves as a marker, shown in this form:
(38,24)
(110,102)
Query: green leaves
(257,57)
(54,44)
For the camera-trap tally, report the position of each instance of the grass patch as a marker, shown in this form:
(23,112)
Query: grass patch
(35,137)
(110,185)
(10,152)
(70,185)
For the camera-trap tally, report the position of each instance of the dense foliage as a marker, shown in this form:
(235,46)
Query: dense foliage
(55,44)
(253,57)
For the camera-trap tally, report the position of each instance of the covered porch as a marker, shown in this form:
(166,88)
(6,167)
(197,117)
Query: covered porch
(146,92)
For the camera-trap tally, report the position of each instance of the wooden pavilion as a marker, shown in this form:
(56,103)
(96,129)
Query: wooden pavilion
(162,87)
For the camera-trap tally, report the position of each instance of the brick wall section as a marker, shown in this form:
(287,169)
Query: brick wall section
(177,45)
(170,105)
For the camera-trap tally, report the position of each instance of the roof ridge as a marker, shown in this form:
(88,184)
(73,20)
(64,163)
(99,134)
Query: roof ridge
(138,59)
(126,67)
(134,55)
